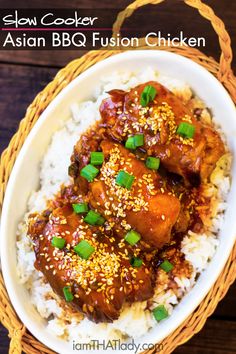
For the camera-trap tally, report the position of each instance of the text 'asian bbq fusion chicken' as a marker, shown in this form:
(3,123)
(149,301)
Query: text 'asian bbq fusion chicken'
(104,238)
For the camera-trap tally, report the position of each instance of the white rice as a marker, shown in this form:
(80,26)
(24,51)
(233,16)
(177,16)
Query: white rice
(198,249)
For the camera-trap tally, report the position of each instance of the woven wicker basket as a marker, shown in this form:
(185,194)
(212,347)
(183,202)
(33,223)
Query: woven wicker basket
(21,339)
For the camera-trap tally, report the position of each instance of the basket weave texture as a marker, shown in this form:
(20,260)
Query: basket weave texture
(21,339)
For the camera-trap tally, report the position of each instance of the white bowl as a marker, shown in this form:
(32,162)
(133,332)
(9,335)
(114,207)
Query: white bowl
(25,178)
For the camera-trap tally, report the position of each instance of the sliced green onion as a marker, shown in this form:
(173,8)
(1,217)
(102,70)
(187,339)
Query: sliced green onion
(150,91)
(153,163)
(58,242)
(160,313)
(148,95)
(166,266)
(134,141)
(186,130)
(84,249)
(94,218)
(80,208)
(132,237)
(136,262)
(124,179)
(67,293)
(89,172)
(97,158)
(100,221)
(144,100)
(130,143)
(138,140)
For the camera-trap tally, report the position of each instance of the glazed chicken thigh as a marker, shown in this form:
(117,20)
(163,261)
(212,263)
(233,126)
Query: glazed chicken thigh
(145,207)
(100,284)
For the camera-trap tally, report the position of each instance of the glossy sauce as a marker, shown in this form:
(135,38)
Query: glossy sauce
(161,206)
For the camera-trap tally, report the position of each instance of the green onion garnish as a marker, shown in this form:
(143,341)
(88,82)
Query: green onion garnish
(186,130)
(148,95)
(96,158)
(84,249)
(80,208)
(100,221)
(94,218)
(138,140)
(58,242)
(132,237)
(153,163)
(89,172)
(166,266)
(160,313)
(136,262)
(134,141)
(67,293)
(144,100)
(130,143)
(124,179)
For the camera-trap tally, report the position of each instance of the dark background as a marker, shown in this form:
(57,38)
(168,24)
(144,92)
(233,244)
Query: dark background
(24,73)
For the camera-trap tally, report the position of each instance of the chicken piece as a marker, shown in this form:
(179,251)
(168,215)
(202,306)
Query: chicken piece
(193,158)
(146,207)
(88,142)
(101,284)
